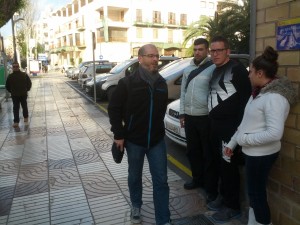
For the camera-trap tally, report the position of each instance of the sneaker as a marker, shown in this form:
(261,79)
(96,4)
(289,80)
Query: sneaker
(225,215)
(135,215)
(215,205)
(26,120)
(15,125)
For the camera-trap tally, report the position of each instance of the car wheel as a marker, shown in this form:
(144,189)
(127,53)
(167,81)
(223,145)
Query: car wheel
(110,92)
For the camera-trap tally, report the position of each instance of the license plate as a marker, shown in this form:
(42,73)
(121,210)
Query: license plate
(172,128)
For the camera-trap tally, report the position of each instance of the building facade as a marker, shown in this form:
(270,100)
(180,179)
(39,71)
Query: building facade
(120,28)
(284,182)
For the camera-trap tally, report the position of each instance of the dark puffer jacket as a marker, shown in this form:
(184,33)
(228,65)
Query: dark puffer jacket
(18,83)
(136,111)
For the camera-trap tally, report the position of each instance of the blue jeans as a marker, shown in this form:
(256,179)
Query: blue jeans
(257,172)
(157,158)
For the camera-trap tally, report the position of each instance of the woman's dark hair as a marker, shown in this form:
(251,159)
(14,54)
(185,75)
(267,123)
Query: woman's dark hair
(267,62)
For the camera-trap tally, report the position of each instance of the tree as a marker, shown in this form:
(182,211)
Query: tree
(8,8)
(231,21)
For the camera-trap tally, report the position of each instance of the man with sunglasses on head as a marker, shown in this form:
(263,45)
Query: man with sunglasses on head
(136,112)
(230,90)
(194,112)
(18,84)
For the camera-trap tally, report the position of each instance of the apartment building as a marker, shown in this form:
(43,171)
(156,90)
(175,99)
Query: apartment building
(120,28)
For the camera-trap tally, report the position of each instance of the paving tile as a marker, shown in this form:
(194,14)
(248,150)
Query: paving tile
(32,209)
(85,156)
(81,143)
(8,181)
(33,172)
(110,209)
(11,152)
(64,178)
(58,147)
(30,188)
(61,163)
(78,133)
(3,219)
(9,167)
(91,167)
(7,192)
(69,205)
(55,129)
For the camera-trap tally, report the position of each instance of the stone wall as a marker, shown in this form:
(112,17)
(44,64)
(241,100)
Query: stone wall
(284,182)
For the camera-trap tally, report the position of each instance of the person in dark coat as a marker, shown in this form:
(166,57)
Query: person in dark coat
(18,84)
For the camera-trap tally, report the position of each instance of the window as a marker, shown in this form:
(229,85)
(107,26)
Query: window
(139,17)
(171,18)
(100,35)
(183,19)
(156,17)
(139,32)
(155,33)
(170,36)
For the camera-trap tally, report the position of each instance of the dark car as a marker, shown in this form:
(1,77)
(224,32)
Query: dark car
(87,74)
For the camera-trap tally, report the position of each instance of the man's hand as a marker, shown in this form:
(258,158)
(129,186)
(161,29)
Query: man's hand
(228,152)
(120,144)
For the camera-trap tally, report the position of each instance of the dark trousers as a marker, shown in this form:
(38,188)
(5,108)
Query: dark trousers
(218,169)
(197,137)
(257,172)
(17,100)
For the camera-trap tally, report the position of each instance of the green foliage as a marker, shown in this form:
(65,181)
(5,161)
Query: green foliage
(232,21)
(8,8)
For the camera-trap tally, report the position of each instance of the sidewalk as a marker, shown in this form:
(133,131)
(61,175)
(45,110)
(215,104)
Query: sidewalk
(59,168)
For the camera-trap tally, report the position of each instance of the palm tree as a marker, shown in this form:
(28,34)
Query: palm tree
(232,21)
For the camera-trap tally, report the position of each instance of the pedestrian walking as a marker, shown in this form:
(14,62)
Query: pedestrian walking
(194,111)
(18,84)
(230,90)
(261,130)
(136,112)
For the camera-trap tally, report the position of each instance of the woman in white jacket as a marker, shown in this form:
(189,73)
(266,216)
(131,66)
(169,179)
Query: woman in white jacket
(261,129)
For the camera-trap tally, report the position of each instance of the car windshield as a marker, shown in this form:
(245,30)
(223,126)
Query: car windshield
(119,67)
(171,69)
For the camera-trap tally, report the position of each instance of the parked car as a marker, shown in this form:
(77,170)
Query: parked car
(173,73)
(87,71)
(69,71)
(171,120)
(123,69)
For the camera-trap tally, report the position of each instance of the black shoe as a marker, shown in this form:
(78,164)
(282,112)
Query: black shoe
(192,185)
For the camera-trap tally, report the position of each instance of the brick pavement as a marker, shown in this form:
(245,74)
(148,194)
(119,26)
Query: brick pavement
(59,169)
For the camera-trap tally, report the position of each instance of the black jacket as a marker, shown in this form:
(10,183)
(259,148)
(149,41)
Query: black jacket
(18,83)
(136,111)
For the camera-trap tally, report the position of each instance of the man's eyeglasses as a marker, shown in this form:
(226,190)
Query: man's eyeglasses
(218,51)
(151,56)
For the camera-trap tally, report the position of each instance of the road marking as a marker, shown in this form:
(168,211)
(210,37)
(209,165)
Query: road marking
(179,165)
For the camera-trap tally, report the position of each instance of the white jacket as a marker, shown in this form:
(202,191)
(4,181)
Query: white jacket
(193,99)
(263,122)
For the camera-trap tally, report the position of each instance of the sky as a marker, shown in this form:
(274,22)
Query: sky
(6,30)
